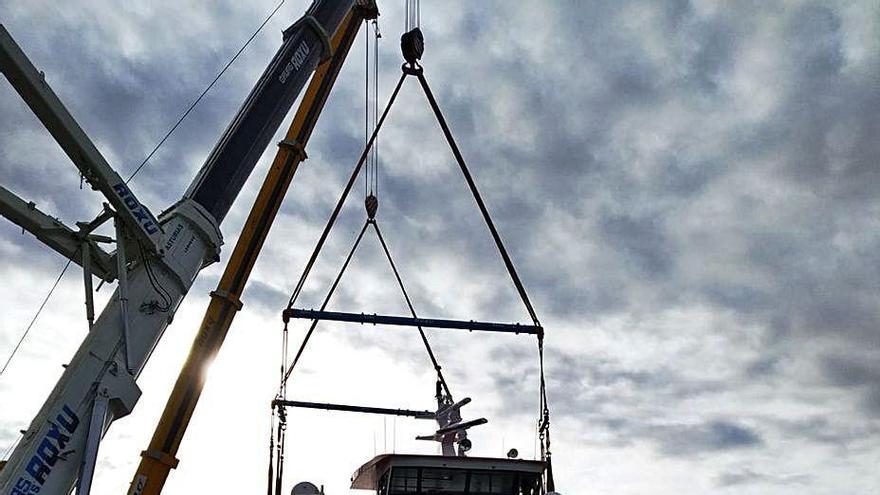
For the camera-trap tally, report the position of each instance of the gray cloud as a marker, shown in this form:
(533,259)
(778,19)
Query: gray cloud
(856,372)
(748,477)
(688,190)
(712,436)
(265,298)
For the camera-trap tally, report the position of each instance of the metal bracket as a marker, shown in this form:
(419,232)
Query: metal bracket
(368,9)
(79,246)
(60,237)
(412,69)
(206,225)
(162,457)
(32,87)
(117,393)
(122,290)
(93,441)
(318,29)
(295,146)
(87,242)
(226,296)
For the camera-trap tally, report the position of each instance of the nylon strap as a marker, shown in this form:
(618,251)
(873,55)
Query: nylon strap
(479,199)
(342,198)
(324,304)
(412,311)
(544,421)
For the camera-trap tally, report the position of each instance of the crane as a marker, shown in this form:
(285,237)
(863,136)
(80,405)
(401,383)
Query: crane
(159,458)
(156,259)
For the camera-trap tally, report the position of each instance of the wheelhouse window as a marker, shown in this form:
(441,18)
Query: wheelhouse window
(442,481)
(488,483)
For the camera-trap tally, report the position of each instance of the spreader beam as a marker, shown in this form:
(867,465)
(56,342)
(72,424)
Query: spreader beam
(375,319)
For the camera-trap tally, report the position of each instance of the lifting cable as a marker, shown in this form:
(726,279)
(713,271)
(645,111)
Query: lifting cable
(371,106)
(314,324)
(204,92)
(479,199)
(34,319)
(413,15)
(331,222)
(544,410)
(440,379)
(368,111)
(370,158)
(345,192)
(371,188)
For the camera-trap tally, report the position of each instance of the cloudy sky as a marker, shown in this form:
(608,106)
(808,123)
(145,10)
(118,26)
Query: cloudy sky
(689,190)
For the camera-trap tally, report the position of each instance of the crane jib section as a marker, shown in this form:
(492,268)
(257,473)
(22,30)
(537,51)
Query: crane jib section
(50,456)
(236,154)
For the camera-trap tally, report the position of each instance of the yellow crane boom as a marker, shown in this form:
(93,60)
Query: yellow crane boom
(159,458)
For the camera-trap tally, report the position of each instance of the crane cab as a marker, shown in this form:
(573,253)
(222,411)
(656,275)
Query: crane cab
(399,474)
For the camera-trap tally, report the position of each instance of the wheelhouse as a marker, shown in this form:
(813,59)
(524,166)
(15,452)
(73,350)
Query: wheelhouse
(397,474)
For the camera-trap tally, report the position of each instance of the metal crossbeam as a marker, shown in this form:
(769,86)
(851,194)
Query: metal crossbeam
(360,409)
(31,85)
(309,314)
(56,235)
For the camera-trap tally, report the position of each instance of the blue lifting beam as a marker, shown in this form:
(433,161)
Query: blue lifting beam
(360,409)
(375,319)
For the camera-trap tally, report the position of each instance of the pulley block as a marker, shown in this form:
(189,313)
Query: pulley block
(412,44)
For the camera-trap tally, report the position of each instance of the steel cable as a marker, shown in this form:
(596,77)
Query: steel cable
(333,216)
(34,319)
(142,165)
(204,92)
(324,304)
(412,311)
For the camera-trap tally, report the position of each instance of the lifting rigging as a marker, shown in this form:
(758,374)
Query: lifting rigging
(452,429)
(159,458)
(154,256)
(157,259)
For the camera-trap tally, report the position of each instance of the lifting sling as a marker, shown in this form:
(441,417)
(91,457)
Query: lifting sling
(411,68)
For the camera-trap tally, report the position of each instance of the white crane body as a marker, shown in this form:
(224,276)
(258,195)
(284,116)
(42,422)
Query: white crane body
(155,264)
(49,456)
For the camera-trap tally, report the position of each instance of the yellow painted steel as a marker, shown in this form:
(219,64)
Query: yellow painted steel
(159,458)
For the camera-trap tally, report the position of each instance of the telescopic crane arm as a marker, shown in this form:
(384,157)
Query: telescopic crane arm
(159,458)
(153,262)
